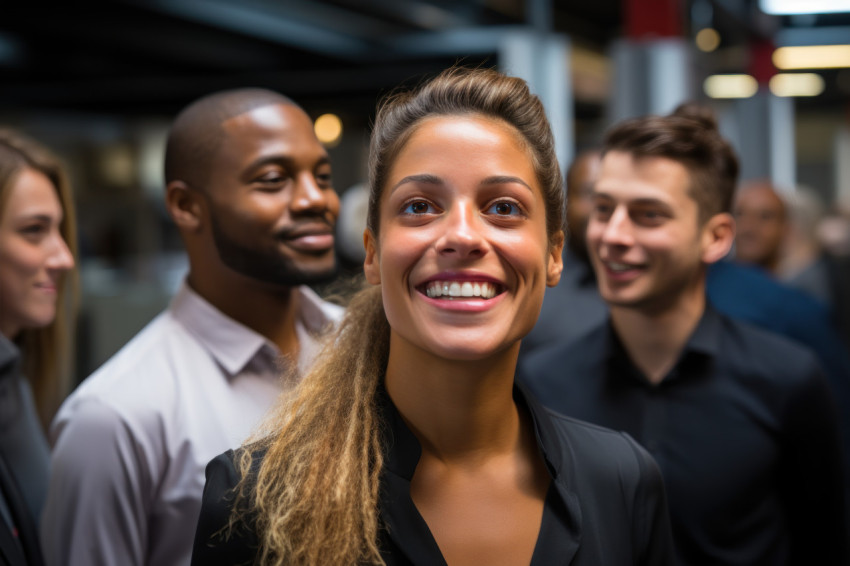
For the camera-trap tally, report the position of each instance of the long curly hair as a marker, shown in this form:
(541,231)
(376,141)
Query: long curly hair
(314,498)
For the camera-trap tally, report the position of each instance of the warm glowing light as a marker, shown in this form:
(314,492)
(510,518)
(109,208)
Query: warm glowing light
(812,57)
(730,86)
(328,128)
(797,84)
(707,39)
(788,7)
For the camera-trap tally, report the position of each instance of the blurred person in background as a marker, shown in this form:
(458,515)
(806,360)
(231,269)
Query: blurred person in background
(249,188)
(37,247)
(740,420)
(762,224)
(573,306)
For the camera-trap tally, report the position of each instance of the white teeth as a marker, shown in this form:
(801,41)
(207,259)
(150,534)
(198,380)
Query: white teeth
(614,266)
(452,289)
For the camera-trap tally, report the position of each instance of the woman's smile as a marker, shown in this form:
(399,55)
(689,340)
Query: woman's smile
(463,255)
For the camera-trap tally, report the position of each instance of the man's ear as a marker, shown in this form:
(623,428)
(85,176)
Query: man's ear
(556,260)
(372,263)
(718,235)
(184,205)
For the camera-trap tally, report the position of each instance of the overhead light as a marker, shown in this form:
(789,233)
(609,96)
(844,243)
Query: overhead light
(328,128)
(707,39)
(788,7)
(812,57)
(730,86)
(797,84)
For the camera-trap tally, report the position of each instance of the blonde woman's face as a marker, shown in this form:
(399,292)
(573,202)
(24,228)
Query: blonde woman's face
(463,258)
(33,254)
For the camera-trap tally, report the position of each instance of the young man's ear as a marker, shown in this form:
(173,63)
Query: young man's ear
(184,206)
(372,263)
(718,235)
(556,260)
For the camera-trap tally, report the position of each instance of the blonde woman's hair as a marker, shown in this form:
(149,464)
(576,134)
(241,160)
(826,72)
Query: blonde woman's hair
(311,483)
(47,351)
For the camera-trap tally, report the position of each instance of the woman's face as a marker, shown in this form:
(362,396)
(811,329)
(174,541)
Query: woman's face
(33,254)
(463,256)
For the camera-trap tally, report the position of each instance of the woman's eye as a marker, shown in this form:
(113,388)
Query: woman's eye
(418,207)
(34,229)
(504,208)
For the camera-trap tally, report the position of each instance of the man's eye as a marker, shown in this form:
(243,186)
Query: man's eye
(272,177)
(418,207)
(504,208)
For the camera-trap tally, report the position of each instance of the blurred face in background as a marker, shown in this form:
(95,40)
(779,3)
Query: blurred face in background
(580,178)
(645,240)
(34,257)
(761,220)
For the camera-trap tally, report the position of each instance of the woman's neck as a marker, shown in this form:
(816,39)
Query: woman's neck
(461,411)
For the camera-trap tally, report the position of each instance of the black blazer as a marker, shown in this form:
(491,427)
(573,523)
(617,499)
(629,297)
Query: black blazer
(606,502)
(19,545)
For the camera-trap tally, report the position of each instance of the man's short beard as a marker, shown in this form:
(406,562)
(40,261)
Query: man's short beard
(262,265)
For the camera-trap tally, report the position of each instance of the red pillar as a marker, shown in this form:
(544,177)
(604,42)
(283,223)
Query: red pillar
(649,19)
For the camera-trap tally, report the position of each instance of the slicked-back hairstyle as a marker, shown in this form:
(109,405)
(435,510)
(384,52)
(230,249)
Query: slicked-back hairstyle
(46,351)
(314,497)
(196,134)
(691,137)
(463,91)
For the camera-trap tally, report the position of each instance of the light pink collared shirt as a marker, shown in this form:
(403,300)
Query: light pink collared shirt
(131,443)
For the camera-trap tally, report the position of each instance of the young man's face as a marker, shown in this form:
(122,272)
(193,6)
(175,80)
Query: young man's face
(644,236)
(272,203)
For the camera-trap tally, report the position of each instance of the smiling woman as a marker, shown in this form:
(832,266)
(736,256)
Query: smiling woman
(36,255)
(409,443)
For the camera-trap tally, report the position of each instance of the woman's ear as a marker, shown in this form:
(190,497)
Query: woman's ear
(184,205)
(372,263)
(556,260)
(718,235)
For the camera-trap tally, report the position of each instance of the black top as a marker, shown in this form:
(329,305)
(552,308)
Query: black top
(743,429)
(605,505)
(24,461)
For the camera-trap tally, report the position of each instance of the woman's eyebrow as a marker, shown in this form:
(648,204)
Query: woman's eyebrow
(422,178)
(505,179)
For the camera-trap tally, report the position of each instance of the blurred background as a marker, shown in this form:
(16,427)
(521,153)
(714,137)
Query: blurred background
(99,83)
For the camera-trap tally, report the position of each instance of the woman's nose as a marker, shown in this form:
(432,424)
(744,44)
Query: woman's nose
(463,233)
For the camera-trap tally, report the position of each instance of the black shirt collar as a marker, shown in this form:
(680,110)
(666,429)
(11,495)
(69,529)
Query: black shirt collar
(703,345)
(560,530)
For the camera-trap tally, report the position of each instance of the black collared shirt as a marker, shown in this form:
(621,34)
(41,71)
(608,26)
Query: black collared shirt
(743,429)
(605,505)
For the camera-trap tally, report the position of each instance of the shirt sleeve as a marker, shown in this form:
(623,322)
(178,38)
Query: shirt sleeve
(215,543)
(98,496)
(812,475)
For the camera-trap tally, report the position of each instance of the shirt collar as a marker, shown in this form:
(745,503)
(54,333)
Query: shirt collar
(703,342)
(231,343)
(401,455)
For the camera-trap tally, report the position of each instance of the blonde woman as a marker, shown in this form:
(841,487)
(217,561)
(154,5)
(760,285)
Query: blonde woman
(36,258)
(409,442)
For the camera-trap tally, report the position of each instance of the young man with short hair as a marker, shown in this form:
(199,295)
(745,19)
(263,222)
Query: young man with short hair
(740,421)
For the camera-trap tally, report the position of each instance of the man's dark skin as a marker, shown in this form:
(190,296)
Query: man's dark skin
(249,188)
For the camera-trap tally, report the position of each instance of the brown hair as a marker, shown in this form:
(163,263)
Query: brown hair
(46,352)
(315,494)
(689,136)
